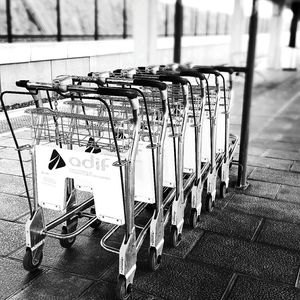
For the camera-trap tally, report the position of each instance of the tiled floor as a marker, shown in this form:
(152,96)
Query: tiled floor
(247,248)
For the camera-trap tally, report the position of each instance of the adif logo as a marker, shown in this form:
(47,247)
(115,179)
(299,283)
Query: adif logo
(56,161)
(90,163)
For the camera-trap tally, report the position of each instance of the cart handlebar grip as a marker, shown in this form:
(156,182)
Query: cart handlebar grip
(150,83)
(173,79)
(224,69)
(107,91)
(207,70)
(238,69)
(192,73)
(22,83)
(122,92)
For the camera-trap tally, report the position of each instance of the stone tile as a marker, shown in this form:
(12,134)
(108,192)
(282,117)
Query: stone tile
(250,258)
(296,167)
(13,167)
(276,176)
(12,207)
(234,174)
(271,163)
(274,145)
(281,234)
(277,210)
(230,223)
(12,184)
(106,291)
(86,257)
(282,154)
(262,189)
(13,277)
(179,279)
(289,193)
(9,153)
(189,239)
(54,285)
(290,139)
(12,236)
(252,289)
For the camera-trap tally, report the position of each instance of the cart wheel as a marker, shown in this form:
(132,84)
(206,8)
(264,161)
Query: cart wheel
(97,223)
(71,227)
(121,292)
(193,218)
(31,261)
(154,260)
(208,203)
(175,237)
(223,189)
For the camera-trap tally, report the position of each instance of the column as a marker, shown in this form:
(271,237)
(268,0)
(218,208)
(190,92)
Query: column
(144,31)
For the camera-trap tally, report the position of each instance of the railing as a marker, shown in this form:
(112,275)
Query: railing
(52,20)
(57,30)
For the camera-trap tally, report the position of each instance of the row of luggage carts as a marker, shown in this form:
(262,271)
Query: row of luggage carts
(145,142)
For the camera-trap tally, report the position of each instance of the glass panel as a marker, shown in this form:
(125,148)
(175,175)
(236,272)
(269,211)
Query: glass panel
(111,17)
(77,17)
(3,28)
(129,12)
(201,24)
(188,21)
(161,19)
(171,20)
(212,28)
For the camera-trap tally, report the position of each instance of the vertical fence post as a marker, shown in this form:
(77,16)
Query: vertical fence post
(207,23)
(196,22)
(124,20)
(58,20)
(217,23)
(178,29)
(243,157)
(8,21)
(96,33)
(167,20)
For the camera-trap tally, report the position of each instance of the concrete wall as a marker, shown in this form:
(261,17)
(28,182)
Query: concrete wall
(44,61)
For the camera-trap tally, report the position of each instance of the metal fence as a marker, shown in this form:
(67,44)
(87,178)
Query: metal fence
(60,20)
(29,21)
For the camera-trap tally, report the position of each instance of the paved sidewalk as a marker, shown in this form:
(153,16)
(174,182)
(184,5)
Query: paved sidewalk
(247,248)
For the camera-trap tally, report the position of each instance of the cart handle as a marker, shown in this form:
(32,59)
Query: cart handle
(173,78)
(150,83)
(34,85)
(108,91)
(192,73)
(207,70)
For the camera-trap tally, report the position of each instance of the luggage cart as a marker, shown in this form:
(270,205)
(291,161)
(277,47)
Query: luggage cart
(63,163)
(206,136)
(174,200)
(175,181)
(148,185)
(225,143)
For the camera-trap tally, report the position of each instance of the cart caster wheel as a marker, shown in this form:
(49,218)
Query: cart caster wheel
(209,203)
(32,260)
(193,218)
(71,227)
(154,260)
(223,190)
(121,292)
(175,237)
(97,223)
